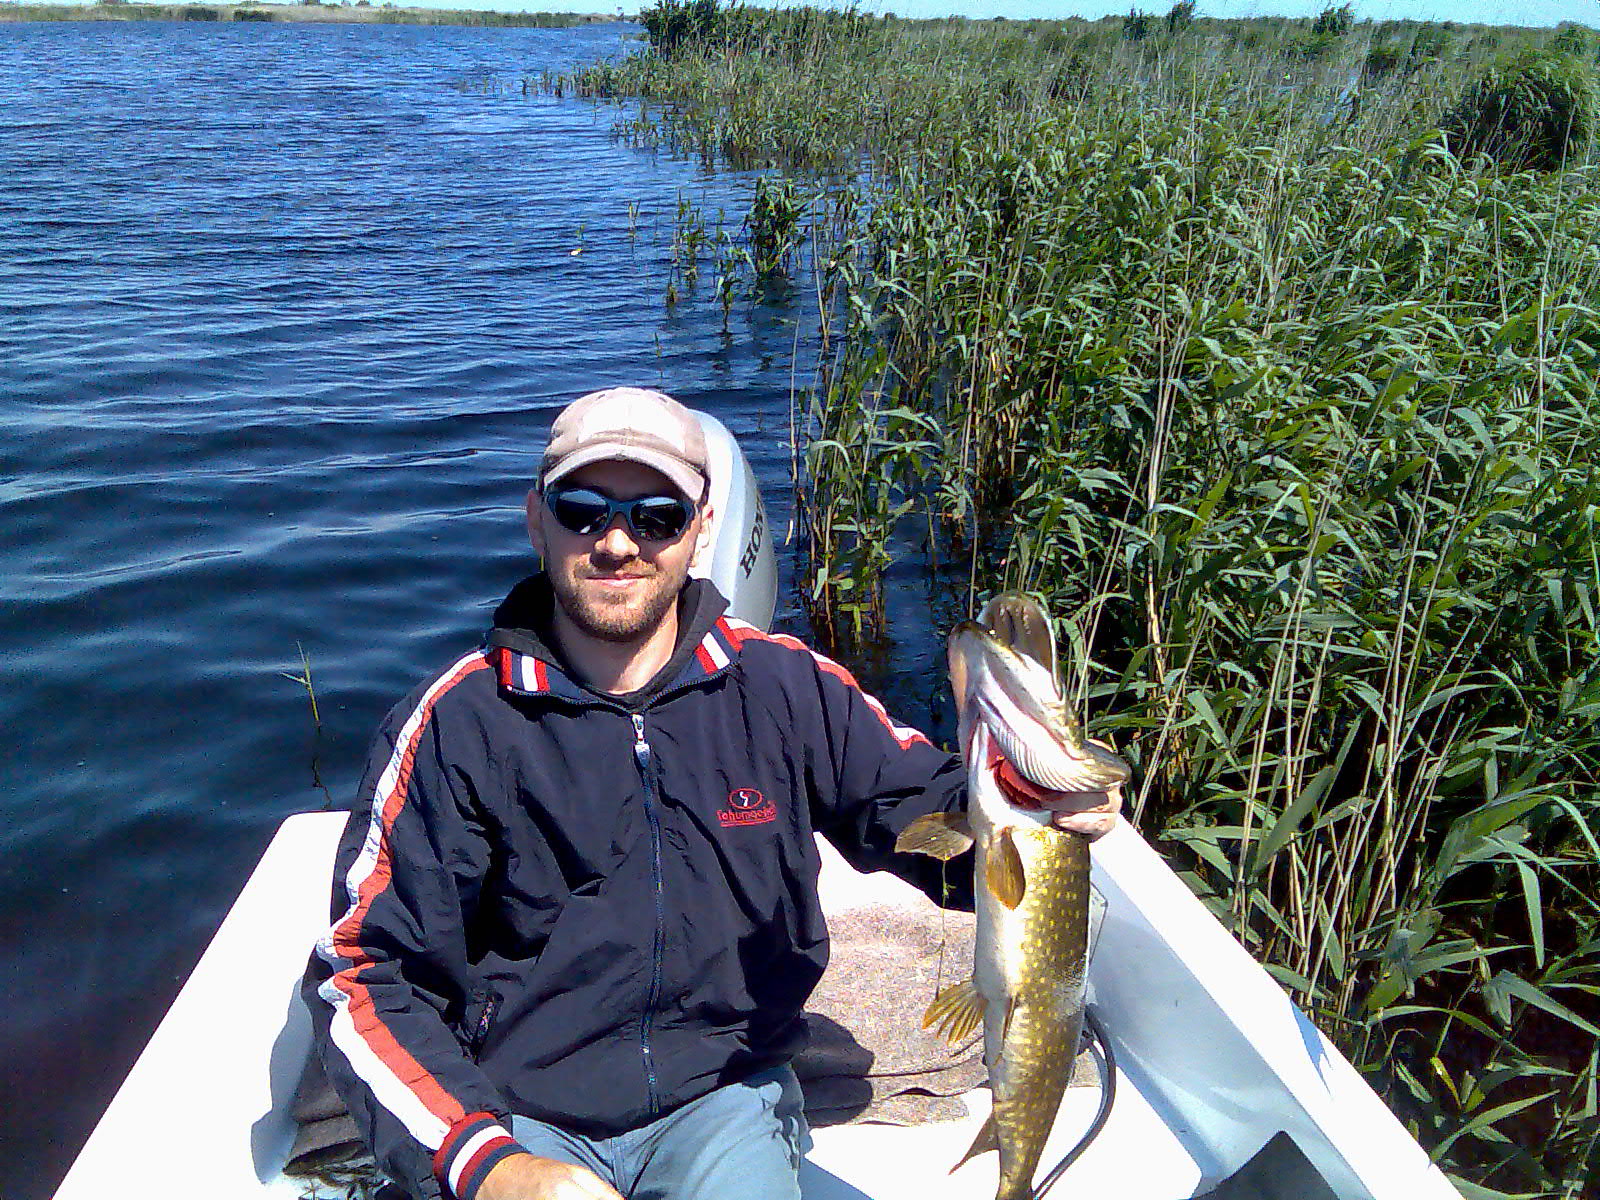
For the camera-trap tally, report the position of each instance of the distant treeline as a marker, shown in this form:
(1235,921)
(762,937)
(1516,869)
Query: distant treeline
(363,11)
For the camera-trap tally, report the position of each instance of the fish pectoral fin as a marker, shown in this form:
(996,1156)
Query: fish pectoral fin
(1004,873)
(957,1010)
(942,835)
(988,1139)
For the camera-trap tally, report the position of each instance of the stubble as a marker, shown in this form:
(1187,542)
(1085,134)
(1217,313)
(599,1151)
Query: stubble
(619,619)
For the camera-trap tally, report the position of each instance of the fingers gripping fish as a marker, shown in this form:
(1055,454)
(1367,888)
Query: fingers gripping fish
(1032,889)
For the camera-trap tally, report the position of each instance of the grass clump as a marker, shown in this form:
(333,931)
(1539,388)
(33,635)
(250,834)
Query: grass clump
(1574,40)
(1334,22)
(675,28)
(1535,111)
(673,24)
(1327,33)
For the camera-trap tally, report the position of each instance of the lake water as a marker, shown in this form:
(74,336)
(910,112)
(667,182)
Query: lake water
(284,311)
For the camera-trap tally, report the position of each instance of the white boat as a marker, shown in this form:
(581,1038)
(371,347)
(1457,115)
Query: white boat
(1222,1086)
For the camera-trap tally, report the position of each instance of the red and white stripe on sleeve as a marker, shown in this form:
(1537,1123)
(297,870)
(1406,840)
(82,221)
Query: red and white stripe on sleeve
(739,632)
(470,1151)
(396,1079)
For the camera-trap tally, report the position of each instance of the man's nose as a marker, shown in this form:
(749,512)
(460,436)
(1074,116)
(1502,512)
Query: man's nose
(616,541)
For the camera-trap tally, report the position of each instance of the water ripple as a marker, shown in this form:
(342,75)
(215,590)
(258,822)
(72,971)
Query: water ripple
(284,311)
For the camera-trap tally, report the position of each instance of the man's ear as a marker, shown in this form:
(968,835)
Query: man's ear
(702,541)
(536,522)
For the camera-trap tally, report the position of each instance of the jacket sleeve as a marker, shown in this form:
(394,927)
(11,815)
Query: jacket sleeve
(876,778)
(385,982)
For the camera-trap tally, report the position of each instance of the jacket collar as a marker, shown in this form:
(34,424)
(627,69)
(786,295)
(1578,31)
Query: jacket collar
(527,663)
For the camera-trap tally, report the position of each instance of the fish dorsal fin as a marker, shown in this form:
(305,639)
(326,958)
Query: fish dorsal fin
(956,1011)
(1018,622)
(1003,871)
(988,1139)
(942,835)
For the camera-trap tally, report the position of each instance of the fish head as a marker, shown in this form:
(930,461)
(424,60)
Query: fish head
(1004,661)
(999,671)
(1019,622)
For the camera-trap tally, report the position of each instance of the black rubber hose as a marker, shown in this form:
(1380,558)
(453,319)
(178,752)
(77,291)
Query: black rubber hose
(1108,1094)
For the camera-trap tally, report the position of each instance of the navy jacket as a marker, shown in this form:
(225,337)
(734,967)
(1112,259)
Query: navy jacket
(592,909)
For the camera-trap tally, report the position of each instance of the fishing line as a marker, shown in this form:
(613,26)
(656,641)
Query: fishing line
(1108,1093)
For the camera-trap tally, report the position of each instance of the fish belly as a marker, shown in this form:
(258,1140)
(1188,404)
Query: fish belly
(1037,953)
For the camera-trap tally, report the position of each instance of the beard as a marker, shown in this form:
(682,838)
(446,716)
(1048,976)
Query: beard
(619,619)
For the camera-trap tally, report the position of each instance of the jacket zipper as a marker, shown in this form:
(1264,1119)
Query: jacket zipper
(480,1032)
(643,756)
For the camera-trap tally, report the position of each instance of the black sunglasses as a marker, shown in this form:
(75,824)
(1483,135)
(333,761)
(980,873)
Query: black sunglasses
(583,510)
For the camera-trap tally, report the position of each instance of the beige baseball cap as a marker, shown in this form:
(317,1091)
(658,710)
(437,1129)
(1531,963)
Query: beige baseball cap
(634,424)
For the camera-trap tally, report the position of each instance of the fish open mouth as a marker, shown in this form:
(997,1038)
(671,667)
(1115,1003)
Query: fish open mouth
(1019,791)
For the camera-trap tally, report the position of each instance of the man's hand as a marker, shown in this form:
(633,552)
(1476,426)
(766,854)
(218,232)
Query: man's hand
(529,1177)
(1089,813)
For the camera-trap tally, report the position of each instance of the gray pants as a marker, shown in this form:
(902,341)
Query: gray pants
(740,1142)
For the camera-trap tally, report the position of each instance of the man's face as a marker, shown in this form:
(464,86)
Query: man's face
(611,585)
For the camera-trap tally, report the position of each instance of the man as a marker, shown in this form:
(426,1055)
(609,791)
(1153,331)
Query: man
(576,911)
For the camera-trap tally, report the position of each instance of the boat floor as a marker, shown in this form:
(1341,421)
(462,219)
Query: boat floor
(1136,1156)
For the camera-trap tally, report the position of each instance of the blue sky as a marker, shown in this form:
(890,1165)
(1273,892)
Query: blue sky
(1486,12)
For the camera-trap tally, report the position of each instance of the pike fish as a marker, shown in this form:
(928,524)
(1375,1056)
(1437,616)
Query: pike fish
(1032,879)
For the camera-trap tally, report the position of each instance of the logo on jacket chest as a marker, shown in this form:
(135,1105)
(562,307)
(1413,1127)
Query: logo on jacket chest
(746,806)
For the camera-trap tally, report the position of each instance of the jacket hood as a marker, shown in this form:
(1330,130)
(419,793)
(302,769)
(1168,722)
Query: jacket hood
(524,619)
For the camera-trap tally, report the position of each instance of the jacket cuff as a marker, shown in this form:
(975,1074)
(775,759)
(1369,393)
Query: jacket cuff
(470,1151)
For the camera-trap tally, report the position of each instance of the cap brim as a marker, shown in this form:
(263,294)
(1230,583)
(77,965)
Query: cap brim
(685,478)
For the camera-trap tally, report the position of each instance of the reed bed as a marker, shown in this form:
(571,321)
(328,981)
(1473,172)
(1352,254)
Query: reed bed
(1204,332)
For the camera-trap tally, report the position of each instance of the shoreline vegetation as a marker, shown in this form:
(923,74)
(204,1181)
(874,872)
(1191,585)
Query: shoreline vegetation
(1265,351)
(342,12)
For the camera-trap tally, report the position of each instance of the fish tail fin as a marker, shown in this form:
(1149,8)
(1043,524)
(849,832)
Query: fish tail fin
(957,1010)
(988,1139)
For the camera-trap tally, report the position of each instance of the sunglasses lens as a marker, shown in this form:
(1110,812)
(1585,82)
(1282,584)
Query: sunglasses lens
(654,518)
(580,510)
(659,518)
